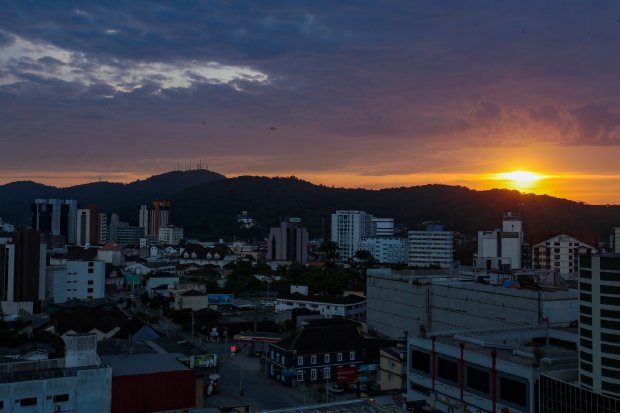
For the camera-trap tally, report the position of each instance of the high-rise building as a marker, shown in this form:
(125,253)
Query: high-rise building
(151,218)
(288,242)
(56,217)
(431,247)
(102,228)
(348,227)
(599,323)
(86,226)
(22,269)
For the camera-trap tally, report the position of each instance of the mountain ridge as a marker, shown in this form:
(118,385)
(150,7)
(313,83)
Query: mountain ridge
(206,204)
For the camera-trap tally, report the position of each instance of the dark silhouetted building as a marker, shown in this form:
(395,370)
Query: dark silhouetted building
(288,242)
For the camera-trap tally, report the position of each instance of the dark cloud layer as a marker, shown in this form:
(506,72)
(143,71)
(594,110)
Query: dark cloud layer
(293,84)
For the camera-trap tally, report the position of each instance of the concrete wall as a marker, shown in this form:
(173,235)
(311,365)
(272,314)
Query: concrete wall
(398,304)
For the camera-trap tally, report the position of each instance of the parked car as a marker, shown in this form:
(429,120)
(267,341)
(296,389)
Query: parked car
(336,389)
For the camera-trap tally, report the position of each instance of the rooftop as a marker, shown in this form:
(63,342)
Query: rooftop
(328,299)
(131,364)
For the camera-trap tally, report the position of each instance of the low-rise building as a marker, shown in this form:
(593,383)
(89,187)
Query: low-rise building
(492,372)
(78,382)
(351,306)
(401,302)
(191,299)
(392,368)
(386,249)
(312,355)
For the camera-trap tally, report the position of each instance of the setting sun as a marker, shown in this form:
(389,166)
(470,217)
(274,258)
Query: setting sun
(519,179)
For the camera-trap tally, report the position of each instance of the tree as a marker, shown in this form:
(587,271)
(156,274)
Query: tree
(329,249)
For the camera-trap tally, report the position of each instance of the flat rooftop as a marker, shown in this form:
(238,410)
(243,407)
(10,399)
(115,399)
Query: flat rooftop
(131,364)
(517,346)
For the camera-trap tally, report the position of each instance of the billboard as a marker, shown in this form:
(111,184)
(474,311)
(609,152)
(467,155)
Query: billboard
(346,375)
(220,298)
(203,360)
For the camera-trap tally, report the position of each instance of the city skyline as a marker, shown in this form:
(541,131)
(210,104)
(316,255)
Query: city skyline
(343,94)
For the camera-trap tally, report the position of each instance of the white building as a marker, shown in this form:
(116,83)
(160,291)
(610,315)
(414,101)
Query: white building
(386,250)
(485,372)
(6,227)
(76,280)
(56,216)
(501,249)
(351,306)
(399,301)
(432,247)
(170,234)
(348,227)
(383,227)
(560,254)
(79,382)
(102,228)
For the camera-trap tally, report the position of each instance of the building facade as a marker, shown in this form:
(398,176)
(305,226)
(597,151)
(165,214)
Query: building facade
(288,242)
(433,247)
(312,355)
(501,249)
(348,227)
(56,217)
(403,301)
(76,280)
(560,254)
(79,382)
(386,249)
(351,306)
(599,323)
(170,234)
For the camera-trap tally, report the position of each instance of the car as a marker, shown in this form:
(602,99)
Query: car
(336,389)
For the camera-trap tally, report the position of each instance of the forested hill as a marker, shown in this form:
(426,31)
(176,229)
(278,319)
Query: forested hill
(125,199)
(210,209)
(206,204)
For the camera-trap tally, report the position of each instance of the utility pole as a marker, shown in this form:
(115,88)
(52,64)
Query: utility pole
(241,381)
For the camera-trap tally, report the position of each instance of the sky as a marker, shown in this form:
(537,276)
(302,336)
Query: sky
(345,93)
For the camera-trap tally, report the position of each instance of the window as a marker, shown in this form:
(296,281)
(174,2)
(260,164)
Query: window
(339,357)
(313,374)
(91,282)
(326,358)
(313,359)
(60,398)
(512,391)
(352,355)
(91,270)
(29,401)
(300,361)
(272,354)
(478,379)
(326,371)
(283,359)
(421,361)
(448,370)
(90,290)
(300,375)
(278,357)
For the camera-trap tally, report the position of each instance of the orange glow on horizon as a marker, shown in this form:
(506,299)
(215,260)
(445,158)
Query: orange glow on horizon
(590,188)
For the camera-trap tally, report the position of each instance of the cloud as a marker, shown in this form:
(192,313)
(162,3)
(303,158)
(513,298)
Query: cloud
(597,124)
(545,113)
(487,112)
(23,60)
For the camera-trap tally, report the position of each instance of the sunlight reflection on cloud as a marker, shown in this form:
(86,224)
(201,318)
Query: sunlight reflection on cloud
(22,59)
